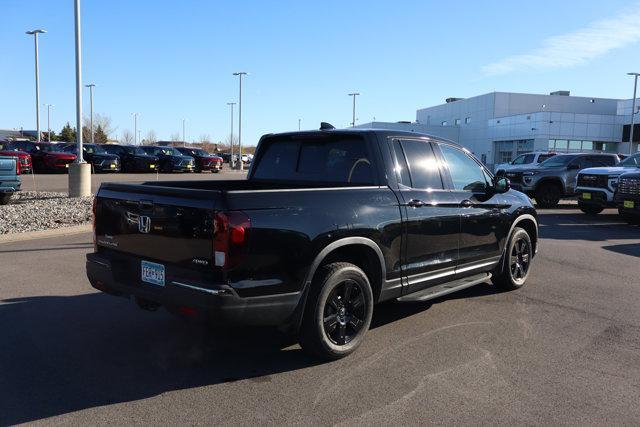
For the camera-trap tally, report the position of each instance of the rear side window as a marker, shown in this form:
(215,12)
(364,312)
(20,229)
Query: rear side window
(603,161)
(335,160)
(543,157)
(423,166)
(402,169)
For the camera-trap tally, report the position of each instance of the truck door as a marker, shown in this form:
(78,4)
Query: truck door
(432,224)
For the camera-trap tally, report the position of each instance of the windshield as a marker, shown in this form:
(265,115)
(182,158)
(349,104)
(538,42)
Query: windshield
(93,149)
(557,161)
(135,150)
(631,161)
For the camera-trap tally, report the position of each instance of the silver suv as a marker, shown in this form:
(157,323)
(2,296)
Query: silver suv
(555,178)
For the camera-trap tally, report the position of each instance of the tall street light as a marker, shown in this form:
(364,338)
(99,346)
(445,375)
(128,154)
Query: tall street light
(184,140)
(240,74)
(49,120)
(231,162)
(633,109)
(299,123)
(35,33)
(353,122)
(91,86)
(135,128)
(80,171)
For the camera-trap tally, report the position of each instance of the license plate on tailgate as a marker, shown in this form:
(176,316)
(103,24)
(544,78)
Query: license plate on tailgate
(152,273)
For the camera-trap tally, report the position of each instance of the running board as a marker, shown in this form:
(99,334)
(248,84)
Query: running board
(446,288)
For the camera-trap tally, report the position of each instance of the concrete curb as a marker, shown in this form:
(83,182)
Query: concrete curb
(32,235)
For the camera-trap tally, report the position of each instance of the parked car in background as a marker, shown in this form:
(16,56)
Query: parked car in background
(100,160)
(170,159)
(226,157)
(555,178)
(627,196)
(132,158)
(203,160)
(24,159)
(9,178)
(327,224)
(595,187)
(45,156)
(525,160)
(247,158)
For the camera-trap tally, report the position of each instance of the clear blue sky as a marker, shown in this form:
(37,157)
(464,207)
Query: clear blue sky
(174,59)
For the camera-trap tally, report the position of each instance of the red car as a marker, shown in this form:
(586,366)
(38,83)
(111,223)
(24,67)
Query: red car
(204,160)
(46,157)
(24,159)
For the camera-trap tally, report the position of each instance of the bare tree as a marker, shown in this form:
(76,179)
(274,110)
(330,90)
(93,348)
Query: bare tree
(127,137)
(175,136)
(151,138)
(101,120)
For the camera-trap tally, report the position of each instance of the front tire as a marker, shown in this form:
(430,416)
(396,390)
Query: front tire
(338,311)
(516,263)
(590,209)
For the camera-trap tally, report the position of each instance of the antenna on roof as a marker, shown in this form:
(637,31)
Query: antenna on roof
(326,126)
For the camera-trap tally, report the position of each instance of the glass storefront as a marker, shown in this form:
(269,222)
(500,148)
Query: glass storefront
(573,145)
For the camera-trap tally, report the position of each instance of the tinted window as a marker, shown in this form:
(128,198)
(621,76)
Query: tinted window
(557,161)
(331,160)
(465,172)
(583,162)
(402,169)
(423,166)
(603,161)
(543,157)
(524,159)
(631,161)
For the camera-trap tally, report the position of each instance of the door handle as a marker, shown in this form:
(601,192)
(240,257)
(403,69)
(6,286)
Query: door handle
(466,203)
(415,203)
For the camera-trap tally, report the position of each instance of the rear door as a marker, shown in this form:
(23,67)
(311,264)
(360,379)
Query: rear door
(481,220)
(432,224)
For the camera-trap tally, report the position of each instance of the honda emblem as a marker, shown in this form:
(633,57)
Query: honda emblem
(144,224)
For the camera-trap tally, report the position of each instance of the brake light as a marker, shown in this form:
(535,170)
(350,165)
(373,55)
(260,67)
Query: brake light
(17,166)
(94,209)
(231,236)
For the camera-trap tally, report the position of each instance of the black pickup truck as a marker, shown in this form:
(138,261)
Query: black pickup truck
(327,224)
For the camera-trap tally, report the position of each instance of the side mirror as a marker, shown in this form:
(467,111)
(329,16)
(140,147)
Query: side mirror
(501,184)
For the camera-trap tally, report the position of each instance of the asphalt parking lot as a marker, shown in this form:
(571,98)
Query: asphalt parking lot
(59,182)
(565,349)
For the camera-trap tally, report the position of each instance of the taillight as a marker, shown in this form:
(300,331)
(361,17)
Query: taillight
(94,209)
(231,236)
(17,166)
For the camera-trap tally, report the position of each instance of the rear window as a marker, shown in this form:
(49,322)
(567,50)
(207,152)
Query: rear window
(543,157)
(335,160)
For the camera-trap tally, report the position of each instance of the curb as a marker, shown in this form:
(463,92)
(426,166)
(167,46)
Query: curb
(32,235)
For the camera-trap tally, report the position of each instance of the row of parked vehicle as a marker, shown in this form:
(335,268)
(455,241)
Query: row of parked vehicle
(598,180)
(50,157)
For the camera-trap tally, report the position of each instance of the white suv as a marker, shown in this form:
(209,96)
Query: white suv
(525,160)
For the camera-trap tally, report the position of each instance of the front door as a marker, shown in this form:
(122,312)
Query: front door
(481,218)
(432,223)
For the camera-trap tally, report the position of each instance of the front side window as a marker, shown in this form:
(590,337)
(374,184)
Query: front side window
(423,166)
(466,174)
(631,161)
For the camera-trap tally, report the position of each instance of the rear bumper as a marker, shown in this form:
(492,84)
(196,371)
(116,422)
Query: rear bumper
(219,301)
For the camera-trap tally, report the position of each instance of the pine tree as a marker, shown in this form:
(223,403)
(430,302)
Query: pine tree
(67,133)
(100,137)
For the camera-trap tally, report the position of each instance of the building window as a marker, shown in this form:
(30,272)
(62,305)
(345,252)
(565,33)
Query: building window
(575,145)
(467,120)
(457,122)
(444,123)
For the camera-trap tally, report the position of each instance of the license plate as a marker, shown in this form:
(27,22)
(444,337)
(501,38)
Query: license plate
(152,166)
(629,204)
(152,273)
(586,196)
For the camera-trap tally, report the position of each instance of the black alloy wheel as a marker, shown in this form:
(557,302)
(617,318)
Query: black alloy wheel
(520,260)
(345,312)
(514,268)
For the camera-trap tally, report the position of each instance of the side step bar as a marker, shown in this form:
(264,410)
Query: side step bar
(445,288)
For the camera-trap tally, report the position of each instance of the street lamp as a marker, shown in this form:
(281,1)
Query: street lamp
(633,109)
(231,162)
(353,123)
(135,128)
(35,33)
(91,86)
(240,74)
(49,120)
(184,140)
(299,123)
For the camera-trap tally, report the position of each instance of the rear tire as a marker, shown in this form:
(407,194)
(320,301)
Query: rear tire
(590,209)
(547,196)
(338,311)
(516,263)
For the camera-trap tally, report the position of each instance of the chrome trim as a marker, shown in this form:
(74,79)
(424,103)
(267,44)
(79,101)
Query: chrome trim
(431,275)
(285,190)
(197,288)
(474,266)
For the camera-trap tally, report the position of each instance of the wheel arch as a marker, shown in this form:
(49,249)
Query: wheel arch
(530,224)
(550,180)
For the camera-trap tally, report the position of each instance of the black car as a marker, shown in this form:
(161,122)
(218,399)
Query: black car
(132,158)
(204,161)
(170,159)
(100,160)
(627,196)
(327,224)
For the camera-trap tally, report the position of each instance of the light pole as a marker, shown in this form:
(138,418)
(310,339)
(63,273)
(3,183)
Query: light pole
(633,109)
(139,136)
(135,128)
(184,140)
(35,33)
(240,74)
(49,120)
(354,94)
(91,86)
(231,162)
(299,124)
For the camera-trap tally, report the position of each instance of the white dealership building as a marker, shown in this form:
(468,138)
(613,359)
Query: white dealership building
(498,126)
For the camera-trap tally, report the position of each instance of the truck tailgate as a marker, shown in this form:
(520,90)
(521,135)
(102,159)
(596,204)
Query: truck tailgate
(162,224)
